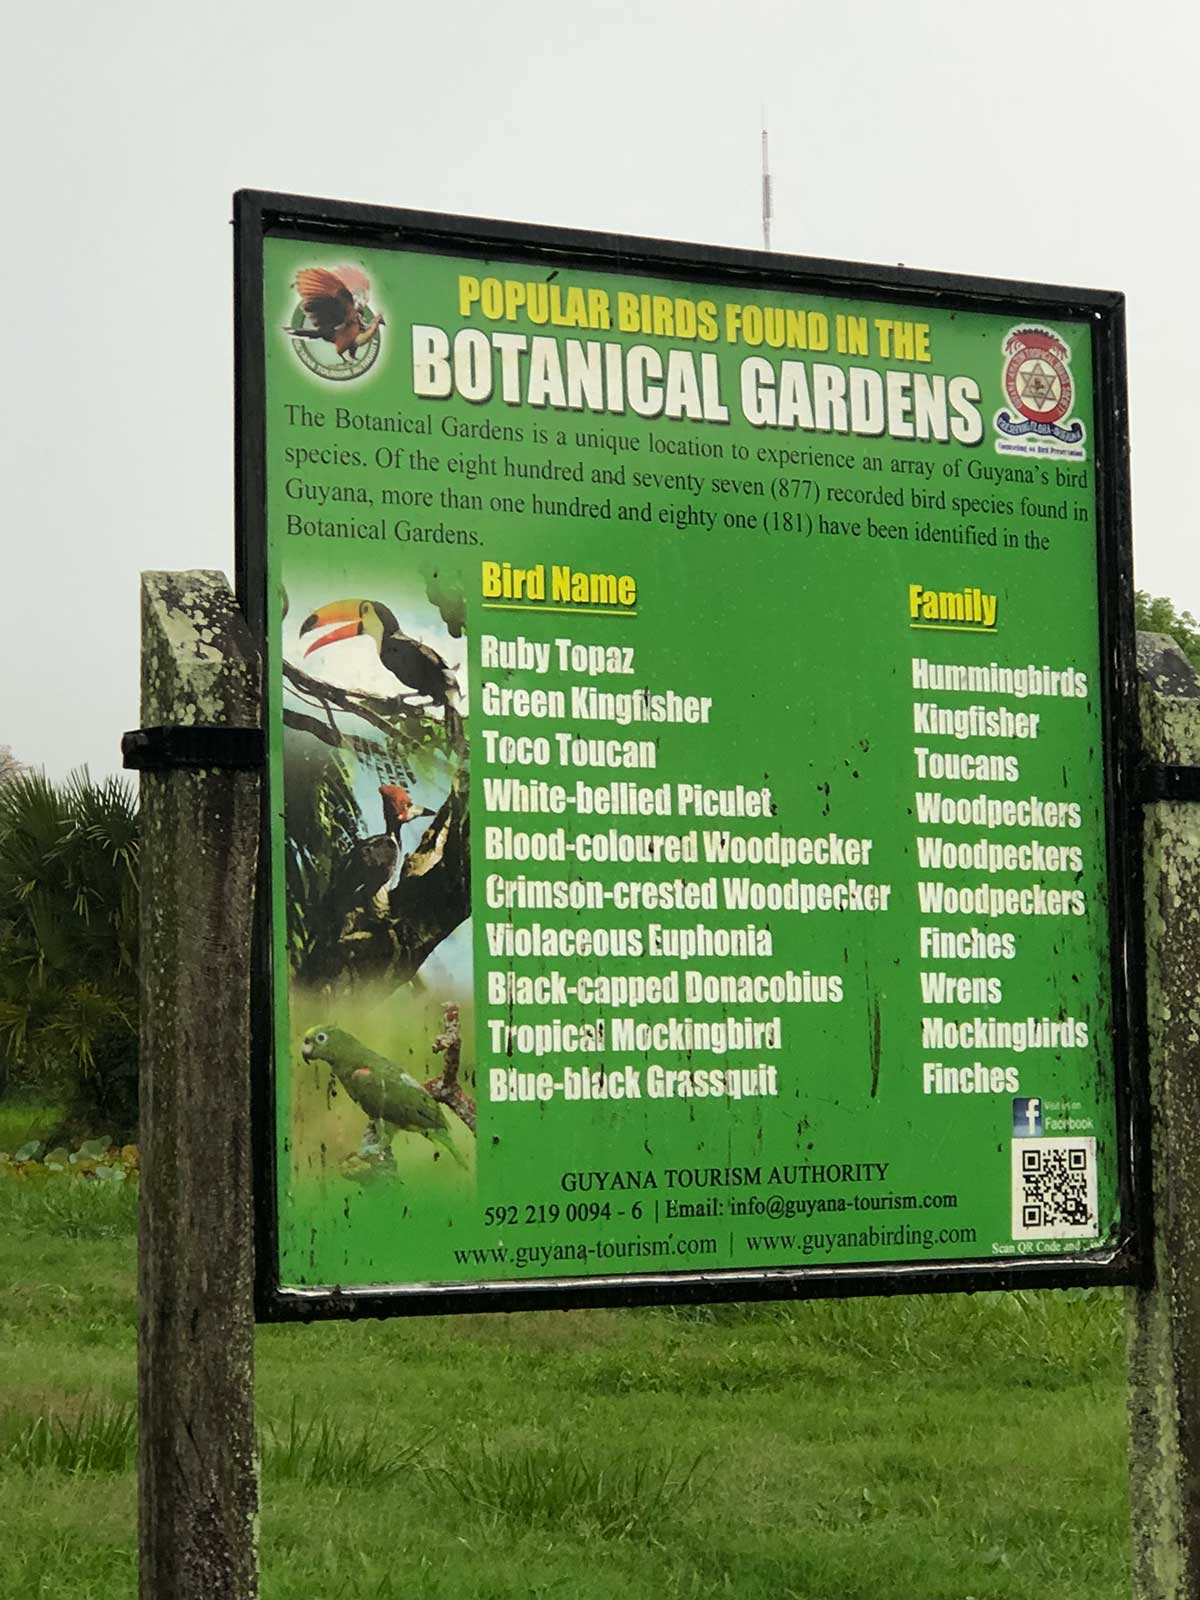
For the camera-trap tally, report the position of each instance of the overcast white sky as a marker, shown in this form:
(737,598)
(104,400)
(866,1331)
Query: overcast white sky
(1055,142)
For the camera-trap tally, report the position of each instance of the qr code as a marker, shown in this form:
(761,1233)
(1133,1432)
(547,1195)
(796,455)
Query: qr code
(1054,1189)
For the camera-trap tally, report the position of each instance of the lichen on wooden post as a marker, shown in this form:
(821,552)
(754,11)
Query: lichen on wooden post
(198,1486)
(1164,1319)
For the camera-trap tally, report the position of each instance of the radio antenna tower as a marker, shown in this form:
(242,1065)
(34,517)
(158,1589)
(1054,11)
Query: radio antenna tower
(766,190)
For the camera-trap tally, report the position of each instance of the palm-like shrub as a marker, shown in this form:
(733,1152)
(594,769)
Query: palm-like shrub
(68,943)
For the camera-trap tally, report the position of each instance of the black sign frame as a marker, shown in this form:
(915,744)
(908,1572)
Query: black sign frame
(258,215)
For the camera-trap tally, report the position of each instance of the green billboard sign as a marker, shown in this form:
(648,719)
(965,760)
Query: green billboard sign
(697,817)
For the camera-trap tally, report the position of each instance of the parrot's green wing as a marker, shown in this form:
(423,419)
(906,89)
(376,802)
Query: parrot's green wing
(414,1109)
(410,1106)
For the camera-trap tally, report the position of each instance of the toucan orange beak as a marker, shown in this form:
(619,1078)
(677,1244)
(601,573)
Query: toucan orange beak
(343,611)
(348,632)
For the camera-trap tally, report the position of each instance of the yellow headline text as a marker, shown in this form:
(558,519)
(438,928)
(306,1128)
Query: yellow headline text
(753,324)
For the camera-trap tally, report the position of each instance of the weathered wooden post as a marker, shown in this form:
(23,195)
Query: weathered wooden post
(1164,1319)
(200,824)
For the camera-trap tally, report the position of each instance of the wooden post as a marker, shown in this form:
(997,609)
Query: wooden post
(198,1478)
(1164,1320)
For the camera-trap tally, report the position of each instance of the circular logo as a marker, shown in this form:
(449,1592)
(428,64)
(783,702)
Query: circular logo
(1036,379)
(334,330)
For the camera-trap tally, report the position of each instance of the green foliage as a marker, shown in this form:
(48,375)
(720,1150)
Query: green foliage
(24,1118)
(1159,615)
(556,1484)
(1026,1326)
(67,1209)
(326,1450)
(323,821)
(68,943)
(449,596)
(101,1438)
(933,1447)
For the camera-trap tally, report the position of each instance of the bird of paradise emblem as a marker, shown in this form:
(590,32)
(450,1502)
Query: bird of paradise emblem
(334,330)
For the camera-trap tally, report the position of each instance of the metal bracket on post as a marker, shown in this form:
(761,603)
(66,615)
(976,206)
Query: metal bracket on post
(192,747)
(1158,782)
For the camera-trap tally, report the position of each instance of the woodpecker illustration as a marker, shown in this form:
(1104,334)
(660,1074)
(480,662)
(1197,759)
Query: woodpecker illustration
(416,666)
(332,311)
(391,1097)
(373,867)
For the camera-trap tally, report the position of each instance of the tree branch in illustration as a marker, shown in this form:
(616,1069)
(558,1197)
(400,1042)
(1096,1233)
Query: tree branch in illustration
(360,909)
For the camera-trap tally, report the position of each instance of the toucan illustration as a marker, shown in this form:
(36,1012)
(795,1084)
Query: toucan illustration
(416,666)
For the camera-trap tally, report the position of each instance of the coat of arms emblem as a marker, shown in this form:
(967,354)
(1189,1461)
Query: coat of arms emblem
(1038,385)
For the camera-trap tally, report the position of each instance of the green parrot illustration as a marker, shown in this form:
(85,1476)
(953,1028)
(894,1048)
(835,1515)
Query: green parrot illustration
(389,1095)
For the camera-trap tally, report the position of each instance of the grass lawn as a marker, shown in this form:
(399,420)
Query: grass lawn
(918,1449)
(22,1118)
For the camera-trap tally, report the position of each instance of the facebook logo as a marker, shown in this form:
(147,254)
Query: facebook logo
(1027,1118)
